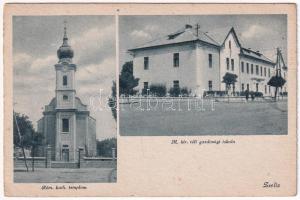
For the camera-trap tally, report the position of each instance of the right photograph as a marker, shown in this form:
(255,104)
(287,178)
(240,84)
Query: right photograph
(203,75)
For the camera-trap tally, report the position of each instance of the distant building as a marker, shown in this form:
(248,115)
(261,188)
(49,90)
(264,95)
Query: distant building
(66,124)
(191,58)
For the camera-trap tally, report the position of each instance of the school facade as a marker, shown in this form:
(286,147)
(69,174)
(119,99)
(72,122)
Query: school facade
(191,58)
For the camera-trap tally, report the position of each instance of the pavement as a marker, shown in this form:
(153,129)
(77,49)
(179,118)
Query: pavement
(65,175)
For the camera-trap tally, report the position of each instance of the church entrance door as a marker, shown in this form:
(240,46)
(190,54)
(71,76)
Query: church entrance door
(65,155)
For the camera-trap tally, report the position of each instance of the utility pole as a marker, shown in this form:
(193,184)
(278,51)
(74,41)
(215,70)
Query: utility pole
(197,29)
(21,140)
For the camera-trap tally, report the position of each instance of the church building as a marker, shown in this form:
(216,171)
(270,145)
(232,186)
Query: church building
(191,58)
(66,123)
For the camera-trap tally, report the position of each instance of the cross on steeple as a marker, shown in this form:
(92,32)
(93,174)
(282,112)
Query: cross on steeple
(65,29)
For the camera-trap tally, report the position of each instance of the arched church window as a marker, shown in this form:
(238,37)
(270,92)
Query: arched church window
(65,80)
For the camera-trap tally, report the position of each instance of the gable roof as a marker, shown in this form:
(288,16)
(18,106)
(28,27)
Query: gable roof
(234,35)
(186,34)
(246,51)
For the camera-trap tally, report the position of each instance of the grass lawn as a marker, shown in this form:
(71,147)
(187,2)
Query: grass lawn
(63,175)
(239,118)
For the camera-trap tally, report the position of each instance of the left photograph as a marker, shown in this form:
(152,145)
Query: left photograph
(64,99)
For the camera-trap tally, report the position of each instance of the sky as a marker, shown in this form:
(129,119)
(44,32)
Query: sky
(258,32)
(35,42)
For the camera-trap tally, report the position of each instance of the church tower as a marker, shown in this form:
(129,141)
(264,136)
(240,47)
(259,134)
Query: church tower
(65,76)
(65,102)
(67,125)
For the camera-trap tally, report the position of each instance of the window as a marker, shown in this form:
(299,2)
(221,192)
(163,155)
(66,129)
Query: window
(243,87)
(256,87)
(146,63)
(242,67)
(210,85)
(229,44)
(269,72)
(265,72)
(65,97)
(251,68)
(176,84)
(65,125)
(257,70)
(146,85)
(227,63)
(210,60)
(248,86)
(261,71)
(247,68)
(176,60)
(65,80)
(232,64)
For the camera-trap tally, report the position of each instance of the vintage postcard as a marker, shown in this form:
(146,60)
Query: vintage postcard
(150,99)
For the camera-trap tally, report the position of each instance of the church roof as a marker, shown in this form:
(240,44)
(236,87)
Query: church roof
(65,50)
(186,34)
(79,106)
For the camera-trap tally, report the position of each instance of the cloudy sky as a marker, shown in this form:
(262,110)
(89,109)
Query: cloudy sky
(259,32)
(35,42)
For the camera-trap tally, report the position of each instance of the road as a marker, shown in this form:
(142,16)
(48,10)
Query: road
(238,118)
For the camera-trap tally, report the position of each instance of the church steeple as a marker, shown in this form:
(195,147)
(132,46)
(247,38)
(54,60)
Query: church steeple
(65,52)
(65,39)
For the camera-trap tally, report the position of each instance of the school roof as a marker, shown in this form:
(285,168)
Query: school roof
(190,33)
(186,34)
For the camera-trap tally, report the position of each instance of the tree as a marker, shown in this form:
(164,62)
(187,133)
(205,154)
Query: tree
(277,81)
(126,79)
(22,133)
(229,79)
(36,140)
(104,147)
(112,101)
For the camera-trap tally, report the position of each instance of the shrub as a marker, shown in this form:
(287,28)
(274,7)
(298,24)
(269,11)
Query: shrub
(185,91)
(174,91)
(283,93)
(144,92)
(258,94)
(158,90)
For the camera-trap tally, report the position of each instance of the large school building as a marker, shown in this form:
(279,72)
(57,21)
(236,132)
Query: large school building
(191,58)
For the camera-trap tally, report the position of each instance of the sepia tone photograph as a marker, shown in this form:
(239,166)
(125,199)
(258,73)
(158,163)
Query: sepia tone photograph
(153,100)
(203,75)
(64,117)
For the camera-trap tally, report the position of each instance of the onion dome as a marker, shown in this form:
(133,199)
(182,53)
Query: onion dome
(65,50)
